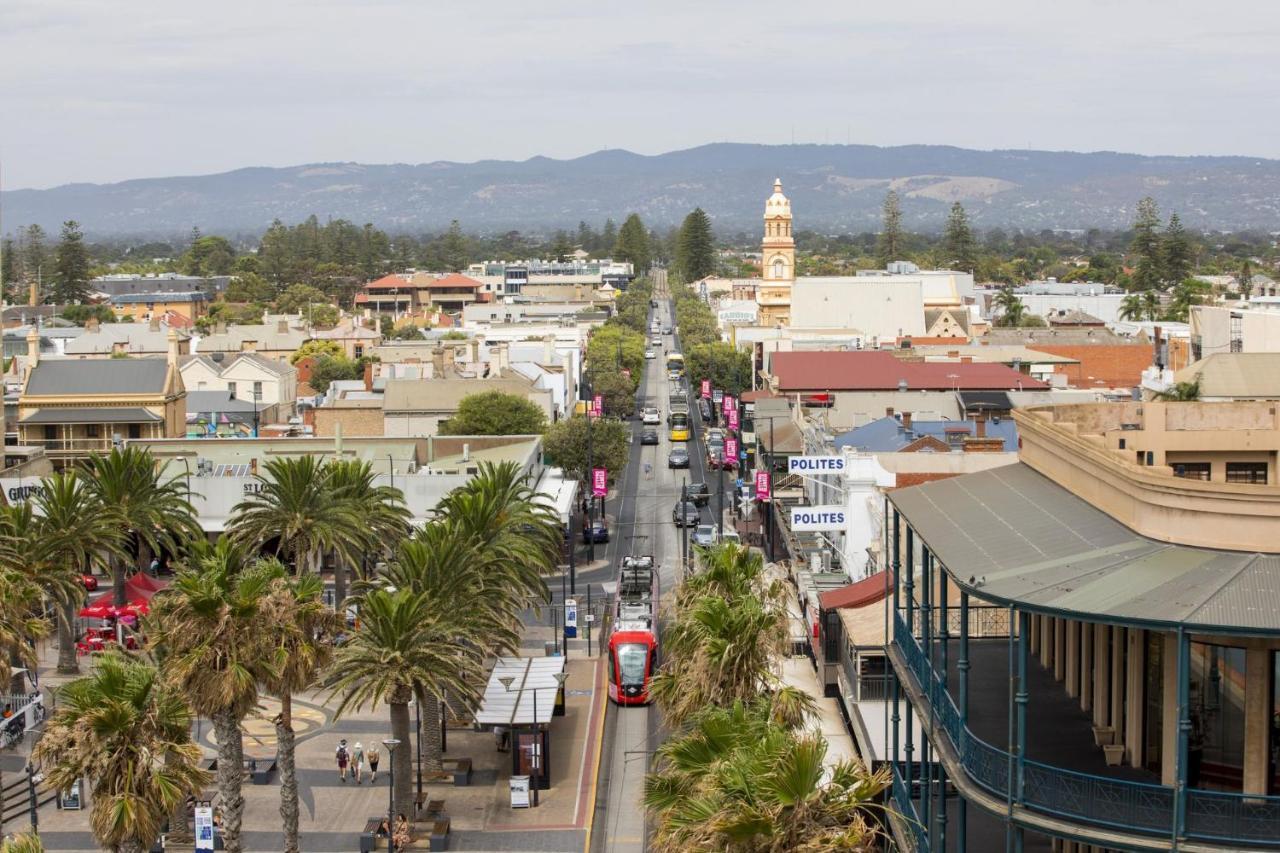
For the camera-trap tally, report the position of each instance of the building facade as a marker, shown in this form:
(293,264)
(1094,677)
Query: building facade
(1085,645)
(779,261)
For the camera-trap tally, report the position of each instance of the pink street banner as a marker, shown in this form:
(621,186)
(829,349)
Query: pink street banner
(762,485)
(731,447)
(728,404)
(597,406)
(733,418)
(599,482)
(706,389)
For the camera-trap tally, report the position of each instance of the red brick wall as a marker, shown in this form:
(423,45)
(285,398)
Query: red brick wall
(1117,365)
(905,480)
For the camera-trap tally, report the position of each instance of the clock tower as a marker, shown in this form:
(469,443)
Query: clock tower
(778,256)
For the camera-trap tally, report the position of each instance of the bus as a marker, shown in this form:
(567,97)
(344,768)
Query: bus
(679,426)
(633,640)
(675,364)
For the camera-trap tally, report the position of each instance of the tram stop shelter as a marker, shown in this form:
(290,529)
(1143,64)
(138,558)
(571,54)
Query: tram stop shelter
(522,696)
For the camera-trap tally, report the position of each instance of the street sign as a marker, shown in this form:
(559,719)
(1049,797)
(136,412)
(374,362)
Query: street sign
(590,617)
(716,396)
(819,518)
(599,482)
(571,617)
(815,464)
(597,406)
(762,485)
(706,388)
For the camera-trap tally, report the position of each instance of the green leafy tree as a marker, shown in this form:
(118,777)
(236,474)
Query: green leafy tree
(1181,392)
(1012,310)
(1146,246)
(618,393)
(495,413)
(1131,307)
(318,349)
(328,369)
(81,314)
(695,247)
(727,368)
(299,298)
(1175,252)
(889,242)
(608,237)
(565,444)
(561,248)
(1186,293)
(633,244)
(249,286)
(71,266)
(455,249)
(127,731)
(208,256)
(962,253)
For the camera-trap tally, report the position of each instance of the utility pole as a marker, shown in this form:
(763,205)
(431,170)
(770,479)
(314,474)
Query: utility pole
(684,527)
(591,498)
(720,497)
(769,520)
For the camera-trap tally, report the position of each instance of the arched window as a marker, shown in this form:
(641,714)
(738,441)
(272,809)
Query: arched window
(779,268)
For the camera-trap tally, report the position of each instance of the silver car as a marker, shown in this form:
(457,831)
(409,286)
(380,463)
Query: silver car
(705,535)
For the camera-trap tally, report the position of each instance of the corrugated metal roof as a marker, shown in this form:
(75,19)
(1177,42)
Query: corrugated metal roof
(100,378)
(872,370)
(1013,536)
(533,682)
(93,415)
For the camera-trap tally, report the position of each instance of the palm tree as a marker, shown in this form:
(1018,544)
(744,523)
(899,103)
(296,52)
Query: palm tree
(152,513)
(302,631)
(384,518)
(73,532)
(295,507)
(403,647)
(22,843)
(129,733)
(1181,392)
(211,630)
(1131,307)
(1150,304)
(1012,309)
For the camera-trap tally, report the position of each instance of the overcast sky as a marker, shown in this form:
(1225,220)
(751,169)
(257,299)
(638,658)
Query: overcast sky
(105,90)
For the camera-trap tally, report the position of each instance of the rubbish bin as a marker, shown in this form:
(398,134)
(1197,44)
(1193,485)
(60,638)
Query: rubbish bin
(519,792)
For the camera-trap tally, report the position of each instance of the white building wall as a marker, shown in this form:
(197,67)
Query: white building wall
(883,307)
(1104,306)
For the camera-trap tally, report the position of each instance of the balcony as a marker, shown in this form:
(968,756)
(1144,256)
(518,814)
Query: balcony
(1062,776)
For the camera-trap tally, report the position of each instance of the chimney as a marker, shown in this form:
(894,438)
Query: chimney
(368,376)
(549,349)
(220,327)
(33,348)
(91,325)
(888,412)
(474,346)
(282,327)
(966,359)
(173,348)
(437,362)
(154,323)
(1159,356)
(906,421)
(980,424)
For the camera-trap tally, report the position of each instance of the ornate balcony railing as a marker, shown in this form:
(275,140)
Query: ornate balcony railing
(906,809)
(1146,808)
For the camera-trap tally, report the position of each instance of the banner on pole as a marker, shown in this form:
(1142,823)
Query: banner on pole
(599,482)
(731,447)
(732,414)
(762,485)
(597,406)
(706,389)
(727,402)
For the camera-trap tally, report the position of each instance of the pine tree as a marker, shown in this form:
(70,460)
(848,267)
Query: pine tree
(695,247)
(10,270)
(1145,246)
(608,237)
(633,244)
(1176,252)
(958,240)
(455,252)
(71,266)
(889,243)
(35,255)
(561,247)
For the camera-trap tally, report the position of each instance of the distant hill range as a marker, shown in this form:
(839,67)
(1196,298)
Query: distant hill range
(833,188)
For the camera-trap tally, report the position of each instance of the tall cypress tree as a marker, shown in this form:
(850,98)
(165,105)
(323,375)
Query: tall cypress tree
(958,240)
(35,255)
(71,266)
(1145,246)
(695,247)
(1175,252)
(633,244)
(889,243)
(10,270)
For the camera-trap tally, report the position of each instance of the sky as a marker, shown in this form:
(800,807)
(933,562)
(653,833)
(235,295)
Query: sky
(107,90)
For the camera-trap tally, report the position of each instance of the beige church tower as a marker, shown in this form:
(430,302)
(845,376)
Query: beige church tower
(778,256)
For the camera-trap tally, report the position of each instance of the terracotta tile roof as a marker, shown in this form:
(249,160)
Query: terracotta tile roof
(388,282)
(453,279)
(882,371)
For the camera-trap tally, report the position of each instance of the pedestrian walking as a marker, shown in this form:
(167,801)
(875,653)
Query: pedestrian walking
(374,757)
(344,758)
(357,763)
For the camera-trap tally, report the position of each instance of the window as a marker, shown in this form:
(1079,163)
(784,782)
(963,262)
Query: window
(231,387)
(358,349)
(1247,472)
(50,432)
(92,431)
(779,268)
(201,385)
(257,390)
(1191,470)
(135,430)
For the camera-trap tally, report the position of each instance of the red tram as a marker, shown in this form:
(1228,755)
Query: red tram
(633,641)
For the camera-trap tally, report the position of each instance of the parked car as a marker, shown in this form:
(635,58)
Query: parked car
(666,330)
(713,458)
(656,343)
(704,535)
(731,536)
(649,436)
(678,458)
(651,415)
(650,354)
(704,410)
(598,532)
(699,493)
(685,514)
(715,435)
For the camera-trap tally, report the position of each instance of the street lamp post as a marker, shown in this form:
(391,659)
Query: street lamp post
(391,744)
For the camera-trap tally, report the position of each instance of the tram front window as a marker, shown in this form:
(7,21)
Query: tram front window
(632,660)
